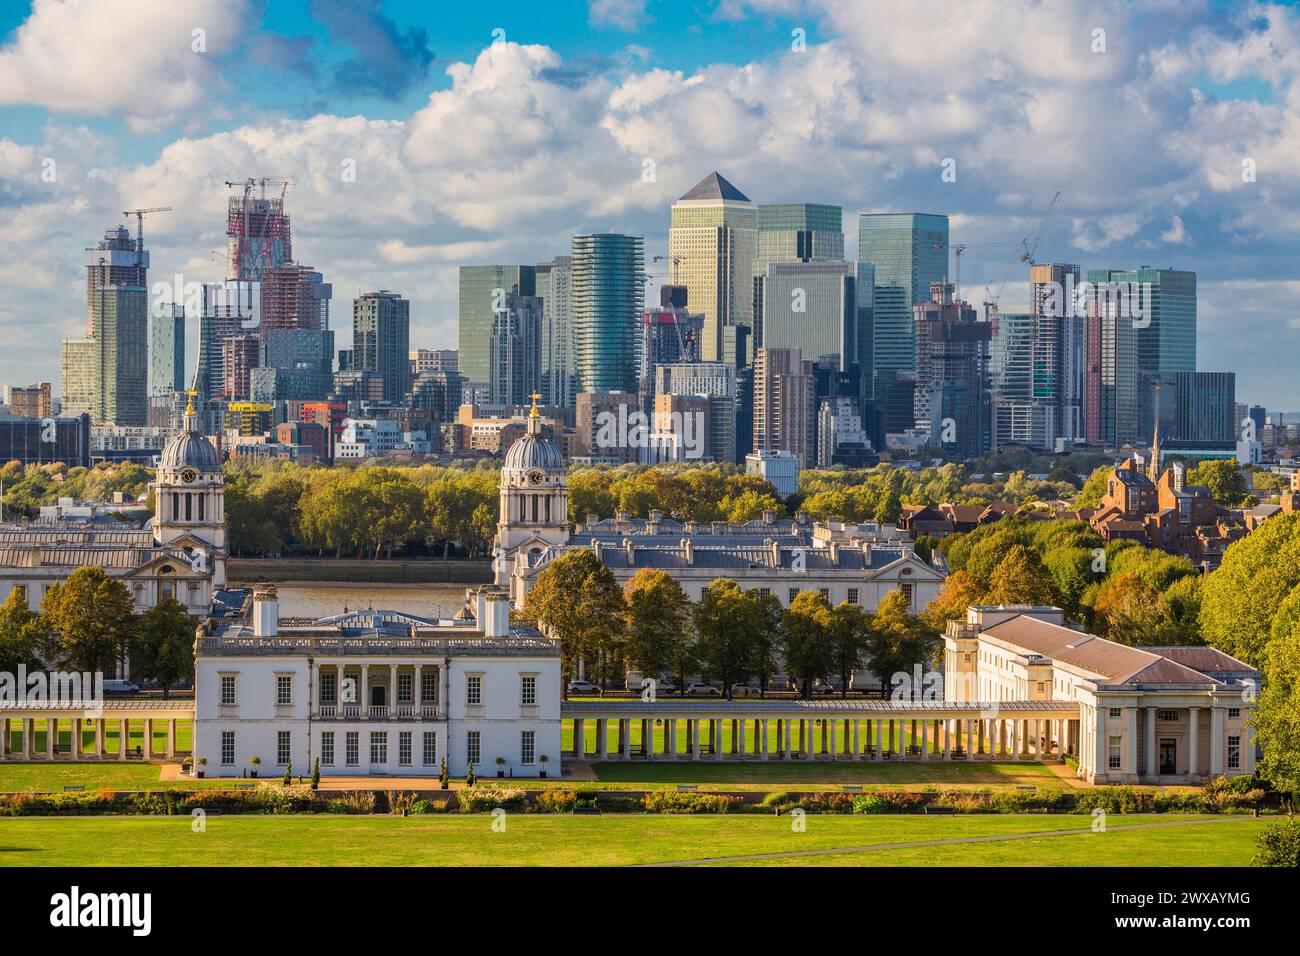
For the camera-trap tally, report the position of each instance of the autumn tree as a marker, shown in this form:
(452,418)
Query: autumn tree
(92,616)
(1020,578)
(898,640)
(658,621)
(808,651)
(725,619)
(577,600)
(22,634)
(162,647)
(848,631)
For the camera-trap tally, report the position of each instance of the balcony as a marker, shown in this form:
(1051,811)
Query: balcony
(403,711)
(529,711)
(227,710)
(474,710)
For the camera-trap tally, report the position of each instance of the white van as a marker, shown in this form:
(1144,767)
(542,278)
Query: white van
(121,687)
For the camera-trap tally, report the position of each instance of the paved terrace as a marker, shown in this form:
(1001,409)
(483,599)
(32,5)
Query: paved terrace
(873,729)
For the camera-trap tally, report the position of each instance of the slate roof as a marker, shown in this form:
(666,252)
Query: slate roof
(713,186)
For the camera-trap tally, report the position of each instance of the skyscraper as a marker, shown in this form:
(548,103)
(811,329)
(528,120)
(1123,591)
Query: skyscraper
(258,234)
(294,297)
(233,307)
(712,239)
(608,293)
(1058,368)
(1112,376)
(785,415)
(167,349)
(381,340)
(908,250)
(483,292)
(812,306)
(114,260)
(951,402)
(515,351)
(794,232)
(1167,335)
(555,287)
(716,383)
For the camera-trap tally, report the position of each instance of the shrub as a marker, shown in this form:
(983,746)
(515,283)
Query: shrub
(1279,845)
(315,775)
(556,801)
(825,803)
(871,803)
(485,799)
(668,801)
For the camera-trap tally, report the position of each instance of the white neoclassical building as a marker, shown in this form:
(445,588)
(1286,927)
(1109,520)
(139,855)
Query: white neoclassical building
(180,554)
(780,558)
(1151,715)
(374,692)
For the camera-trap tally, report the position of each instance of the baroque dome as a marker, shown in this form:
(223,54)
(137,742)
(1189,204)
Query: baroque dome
(189,449)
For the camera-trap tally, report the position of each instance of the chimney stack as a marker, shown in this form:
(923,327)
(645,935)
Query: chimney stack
(266,611)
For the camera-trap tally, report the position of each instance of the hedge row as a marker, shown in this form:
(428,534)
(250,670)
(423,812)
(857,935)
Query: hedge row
(1220,796)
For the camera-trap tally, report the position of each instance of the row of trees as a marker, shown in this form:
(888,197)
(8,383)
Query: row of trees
(731,634)
(87,623)
(27,487)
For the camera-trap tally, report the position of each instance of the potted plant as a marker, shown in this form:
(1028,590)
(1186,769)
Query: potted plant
(444,778)
(470,779)
(288,775)
(315,775)
(543,760)
(201,763)
(254,762)
(501,766)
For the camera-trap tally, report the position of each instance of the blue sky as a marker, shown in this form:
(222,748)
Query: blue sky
(469,150)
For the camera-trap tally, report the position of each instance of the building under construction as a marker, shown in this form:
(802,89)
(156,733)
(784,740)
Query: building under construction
(117,260)
(257,231)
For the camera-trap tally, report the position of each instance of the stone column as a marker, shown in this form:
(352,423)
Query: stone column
(579,741)
(670,737)
(925,740)
(947,739)
(969,753)
(1193,740)
(625,738)
(392,690)
(148,738)
(1218,743)
(123,732)
(363,691)
(1130,741)
(1153,759)
(171,738)
(761,731)
(784,727)
(51,736)
(417,691)
(857,751)
(648,738)
(693,731)
(338,691)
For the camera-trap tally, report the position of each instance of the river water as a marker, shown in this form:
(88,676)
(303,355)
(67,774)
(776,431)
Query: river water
(426,600)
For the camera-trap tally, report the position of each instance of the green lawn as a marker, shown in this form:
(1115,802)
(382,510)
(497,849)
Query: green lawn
(541,840)
(754,774)
(27,777)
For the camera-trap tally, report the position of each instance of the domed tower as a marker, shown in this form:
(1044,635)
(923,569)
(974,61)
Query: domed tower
(534,498)
(189,502)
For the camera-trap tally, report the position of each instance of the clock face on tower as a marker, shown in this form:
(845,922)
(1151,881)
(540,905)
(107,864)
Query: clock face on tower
(189,476)
(536,477)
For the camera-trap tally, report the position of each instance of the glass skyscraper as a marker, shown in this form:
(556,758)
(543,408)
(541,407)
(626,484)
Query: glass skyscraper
(607,297)
(483,291)
(909,250)
(1168,342)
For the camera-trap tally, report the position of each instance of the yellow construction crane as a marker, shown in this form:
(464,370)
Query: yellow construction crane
(139,226)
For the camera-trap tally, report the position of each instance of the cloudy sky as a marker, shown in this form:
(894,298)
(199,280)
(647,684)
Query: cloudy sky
(491,132)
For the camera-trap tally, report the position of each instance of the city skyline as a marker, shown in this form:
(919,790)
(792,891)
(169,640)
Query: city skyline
(382,198)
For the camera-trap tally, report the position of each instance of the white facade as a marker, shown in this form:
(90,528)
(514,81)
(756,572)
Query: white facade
(777,467)
(1163,715)
(371,437)
(375,693)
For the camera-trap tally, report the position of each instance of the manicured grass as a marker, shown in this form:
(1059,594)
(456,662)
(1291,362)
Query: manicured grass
(28,777)
(541,840)
(753,774)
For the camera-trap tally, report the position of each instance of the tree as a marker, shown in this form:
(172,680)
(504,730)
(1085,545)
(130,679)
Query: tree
(959,592)
(897,640)
(1094,489)
(162,648)
(1240,600)
(767,638)
(22,634)
(92,615)
(577,599)
(1279,845)
(1223,478)
(1020,578)
(725,619)
(849,632)
(808,651)
(658,619)
(1277,716)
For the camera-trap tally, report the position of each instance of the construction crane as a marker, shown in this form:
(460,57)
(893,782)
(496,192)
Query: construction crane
(139,228)
(1030,243)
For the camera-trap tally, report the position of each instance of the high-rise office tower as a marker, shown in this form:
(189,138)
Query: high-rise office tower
(240,354)
(117,259)
(712,238)
(812,306)
(908,250)
(515,351)
(434,360)
(381,340)
(785,414)
(1192,407)
(670,335)
(1058,370)
(1167,329)
(716,383)
(893,334)
(608,293)
(483,293)
(167,349)
(294,297)
(951,403)
(258,235)
(107,374)
(31,401)
(555,288)
(1112,377)
(1016,419)
(233,307)
(296,364)
(794,232)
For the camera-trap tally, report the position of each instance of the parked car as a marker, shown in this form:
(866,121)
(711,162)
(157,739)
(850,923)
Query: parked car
(583,688)
(702,690)
(665,685)
(824,689)
(121,687)
(744,690)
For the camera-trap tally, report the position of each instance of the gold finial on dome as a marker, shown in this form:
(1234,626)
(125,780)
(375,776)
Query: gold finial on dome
(536,412)
(189,404)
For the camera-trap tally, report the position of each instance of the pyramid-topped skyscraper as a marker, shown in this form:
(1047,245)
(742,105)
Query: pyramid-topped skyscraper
(711,241)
